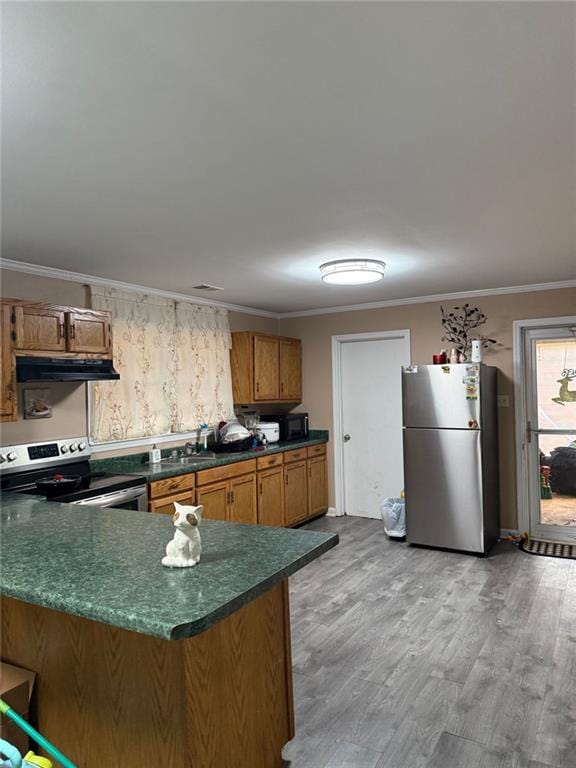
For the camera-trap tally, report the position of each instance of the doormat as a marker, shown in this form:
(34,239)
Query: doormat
(548,548)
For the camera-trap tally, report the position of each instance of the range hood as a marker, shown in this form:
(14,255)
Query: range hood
(63,369)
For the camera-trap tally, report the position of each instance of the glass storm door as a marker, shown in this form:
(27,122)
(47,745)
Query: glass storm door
(550,356)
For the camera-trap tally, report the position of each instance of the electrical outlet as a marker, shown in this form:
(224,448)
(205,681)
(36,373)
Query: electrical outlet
(503,401)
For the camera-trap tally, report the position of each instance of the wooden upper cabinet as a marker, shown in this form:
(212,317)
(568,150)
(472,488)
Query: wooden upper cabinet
(88,331)
(8,411)
(290,365)
(265,368)
(40,328)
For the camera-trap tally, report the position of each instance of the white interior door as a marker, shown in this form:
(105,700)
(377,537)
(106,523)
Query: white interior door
(370,423)
(550,428)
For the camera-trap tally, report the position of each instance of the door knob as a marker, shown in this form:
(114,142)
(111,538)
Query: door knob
(346,438)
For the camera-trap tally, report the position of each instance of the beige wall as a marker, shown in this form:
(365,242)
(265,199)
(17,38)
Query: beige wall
(69,400)
(423,320)
(242,322)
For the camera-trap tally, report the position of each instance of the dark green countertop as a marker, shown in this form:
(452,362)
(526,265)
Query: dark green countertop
(104,565)
(137,464)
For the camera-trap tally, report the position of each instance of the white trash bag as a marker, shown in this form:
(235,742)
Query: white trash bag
(394,518)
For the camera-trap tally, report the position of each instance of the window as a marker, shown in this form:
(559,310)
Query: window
(174,364)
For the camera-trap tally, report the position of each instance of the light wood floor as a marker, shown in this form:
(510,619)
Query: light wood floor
(415,658)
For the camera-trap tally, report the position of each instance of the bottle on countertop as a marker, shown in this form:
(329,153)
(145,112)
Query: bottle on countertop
(453,356)
(154,455)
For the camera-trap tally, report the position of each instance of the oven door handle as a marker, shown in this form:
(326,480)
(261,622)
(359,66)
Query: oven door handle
(110,499)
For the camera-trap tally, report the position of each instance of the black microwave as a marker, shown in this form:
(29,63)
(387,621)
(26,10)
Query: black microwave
(293,426)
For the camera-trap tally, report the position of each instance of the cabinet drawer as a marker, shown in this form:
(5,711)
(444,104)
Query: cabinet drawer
(273,460)
(296,455)
(317,450)
(165,505)
(171,485)
(225,472)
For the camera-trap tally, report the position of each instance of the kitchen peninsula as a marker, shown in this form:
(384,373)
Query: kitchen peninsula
(143,665)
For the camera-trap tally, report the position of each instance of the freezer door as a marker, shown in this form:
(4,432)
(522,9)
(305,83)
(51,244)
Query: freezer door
(443,484)
(443,396)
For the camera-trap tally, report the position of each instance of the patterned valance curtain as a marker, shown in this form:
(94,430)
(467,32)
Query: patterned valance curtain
(174,365)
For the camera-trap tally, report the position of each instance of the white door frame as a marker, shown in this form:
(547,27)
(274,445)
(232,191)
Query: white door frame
(521,387)
(337,410)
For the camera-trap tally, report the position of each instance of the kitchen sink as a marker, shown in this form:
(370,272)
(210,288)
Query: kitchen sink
(183,460)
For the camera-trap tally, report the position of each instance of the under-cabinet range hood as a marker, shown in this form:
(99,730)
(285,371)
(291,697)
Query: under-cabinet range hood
(63,369)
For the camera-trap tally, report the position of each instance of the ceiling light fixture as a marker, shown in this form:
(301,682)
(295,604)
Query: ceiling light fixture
(352,271)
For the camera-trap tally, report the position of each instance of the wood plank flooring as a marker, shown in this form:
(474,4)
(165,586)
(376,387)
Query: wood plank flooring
(416,658)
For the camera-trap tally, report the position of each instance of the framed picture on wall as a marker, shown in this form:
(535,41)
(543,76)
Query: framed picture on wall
(37,404)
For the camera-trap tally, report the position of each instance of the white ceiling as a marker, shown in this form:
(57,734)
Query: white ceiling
(242,144)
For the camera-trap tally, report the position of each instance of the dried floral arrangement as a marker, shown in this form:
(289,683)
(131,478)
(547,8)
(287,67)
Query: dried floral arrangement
(459,328)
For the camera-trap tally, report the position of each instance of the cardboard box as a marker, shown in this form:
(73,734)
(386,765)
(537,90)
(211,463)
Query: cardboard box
(16,686)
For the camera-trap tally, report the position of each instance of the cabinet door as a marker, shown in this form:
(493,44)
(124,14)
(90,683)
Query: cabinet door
(295,492)
(317,486)
(88,331)
(165,504)
(214,498)
(40,329)
(7,371)
(266,368)
(243,499)
(290,351)
(271,497)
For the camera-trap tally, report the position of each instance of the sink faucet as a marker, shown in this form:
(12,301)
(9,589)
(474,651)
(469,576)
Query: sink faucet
(189,449)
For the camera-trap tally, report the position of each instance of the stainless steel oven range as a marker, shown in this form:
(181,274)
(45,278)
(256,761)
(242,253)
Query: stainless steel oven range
(22,467)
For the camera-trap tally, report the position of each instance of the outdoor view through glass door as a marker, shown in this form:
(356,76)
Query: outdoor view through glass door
(551,431)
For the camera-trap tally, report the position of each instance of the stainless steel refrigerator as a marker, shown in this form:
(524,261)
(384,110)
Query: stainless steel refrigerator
(451,456)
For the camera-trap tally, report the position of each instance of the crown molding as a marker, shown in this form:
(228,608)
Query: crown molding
(430,299)
(78,277)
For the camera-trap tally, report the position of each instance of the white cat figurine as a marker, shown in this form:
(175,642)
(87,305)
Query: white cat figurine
(186,547)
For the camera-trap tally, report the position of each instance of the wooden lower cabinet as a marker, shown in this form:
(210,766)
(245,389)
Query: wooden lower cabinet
(233,500)
(111,697)
(214,499)
(164,493)
(243,505)
(295,492)
(317,486)
(278,489)
(271,496)
(165,504)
